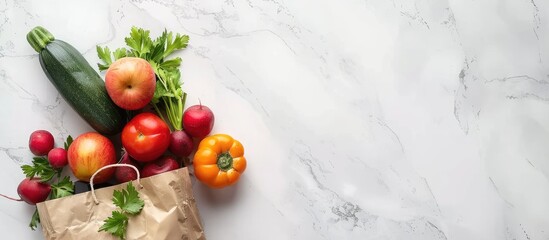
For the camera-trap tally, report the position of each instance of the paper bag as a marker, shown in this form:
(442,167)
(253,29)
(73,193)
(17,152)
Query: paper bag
(169,212)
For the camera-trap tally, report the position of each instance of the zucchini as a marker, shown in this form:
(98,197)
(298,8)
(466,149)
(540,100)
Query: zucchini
(78,83)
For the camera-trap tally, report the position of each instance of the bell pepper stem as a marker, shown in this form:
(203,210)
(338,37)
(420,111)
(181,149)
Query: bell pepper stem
(225,161)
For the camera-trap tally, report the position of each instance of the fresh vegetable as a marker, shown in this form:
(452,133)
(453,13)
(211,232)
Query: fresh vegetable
(62,188)
(90,152)
(33,190)
(219,161)
(168,98)
(181,144)
(130,204)
(146,137)
(40,168)
(39,183)
(163,164)
(78,83)
(126,174)
(57,157)
(130,83)
(41,142)
(198,121)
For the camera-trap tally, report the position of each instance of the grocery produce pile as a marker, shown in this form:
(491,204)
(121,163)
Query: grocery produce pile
(140,101)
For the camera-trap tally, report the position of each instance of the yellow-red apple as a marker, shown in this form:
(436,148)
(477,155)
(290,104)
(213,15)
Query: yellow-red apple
(89,152)
(130,83)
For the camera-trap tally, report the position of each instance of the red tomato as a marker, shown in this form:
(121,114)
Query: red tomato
(146,137)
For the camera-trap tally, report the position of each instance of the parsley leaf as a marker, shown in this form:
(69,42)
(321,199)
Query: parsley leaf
(130,204)
(120,53)
(139,42)
(128,200)
(35,220)
(116,224)
(40,167)
(68,143)
(63,188)
(105,55)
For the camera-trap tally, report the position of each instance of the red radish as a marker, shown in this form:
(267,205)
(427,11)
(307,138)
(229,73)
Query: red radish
(181,144)
(41,142)
(32,191)
(198,121)
(163,164)
(126,174)
(58,157)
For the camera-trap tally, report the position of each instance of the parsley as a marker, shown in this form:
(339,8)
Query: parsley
(40,167)
(35,220)
(68,143)
(168,95)
(62,188)
(130,204)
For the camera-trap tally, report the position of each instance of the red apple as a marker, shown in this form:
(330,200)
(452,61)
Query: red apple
(89,152)
(126,174)
(163,164)
(198,121)
(130,83)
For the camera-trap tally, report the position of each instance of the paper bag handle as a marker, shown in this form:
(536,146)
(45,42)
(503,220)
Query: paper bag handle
(111,166)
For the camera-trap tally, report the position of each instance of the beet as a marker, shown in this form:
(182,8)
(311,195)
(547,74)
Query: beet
(181,144)
(126,174)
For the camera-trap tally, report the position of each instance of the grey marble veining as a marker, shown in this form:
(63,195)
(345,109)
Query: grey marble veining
(370,119)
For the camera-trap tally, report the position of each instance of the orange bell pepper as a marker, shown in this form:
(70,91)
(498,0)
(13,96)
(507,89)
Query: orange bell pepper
(219,161)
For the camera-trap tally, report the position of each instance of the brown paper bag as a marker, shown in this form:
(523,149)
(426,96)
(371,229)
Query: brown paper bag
(170,211)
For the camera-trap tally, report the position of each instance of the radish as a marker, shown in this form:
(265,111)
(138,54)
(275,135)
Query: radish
(198,121)
(181,144)
(57,157)
(41,142)
(126,174)
(32,191)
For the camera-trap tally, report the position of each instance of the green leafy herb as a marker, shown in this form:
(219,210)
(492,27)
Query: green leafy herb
(130,204)
(169,98)
(68,142)
(40,167)
(63,188)
(116,224)
(128,200)
(35,220)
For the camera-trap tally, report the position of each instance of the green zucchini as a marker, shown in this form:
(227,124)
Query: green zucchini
(78,83)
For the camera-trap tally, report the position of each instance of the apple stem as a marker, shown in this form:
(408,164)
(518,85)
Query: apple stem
(10,198)
(200,103)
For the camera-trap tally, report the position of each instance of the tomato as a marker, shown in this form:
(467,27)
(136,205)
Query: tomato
(146,137)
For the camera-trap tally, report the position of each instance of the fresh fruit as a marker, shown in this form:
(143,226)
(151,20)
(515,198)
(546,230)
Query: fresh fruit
(146,137)
(181,144)
(164,164)
(41,142)
(219,161)
(168,98)
(198,121)
(57,157)
(126,174)
(32,191)
(130,83)
(89,152)
(78,83)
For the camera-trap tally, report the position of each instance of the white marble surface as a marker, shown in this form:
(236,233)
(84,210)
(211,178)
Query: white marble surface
(371,119)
